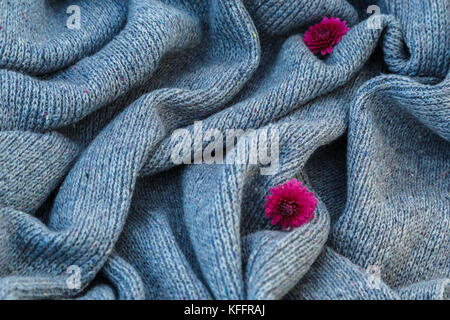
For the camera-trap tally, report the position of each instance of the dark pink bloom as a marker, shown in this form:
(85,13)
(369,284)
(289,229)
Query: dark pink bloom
(322,36)
(290,204)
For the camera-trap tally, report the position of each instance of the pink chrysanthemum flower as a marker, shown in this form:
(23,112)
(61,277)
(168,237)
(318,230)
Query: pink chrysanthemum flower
(290,205)
(322,36)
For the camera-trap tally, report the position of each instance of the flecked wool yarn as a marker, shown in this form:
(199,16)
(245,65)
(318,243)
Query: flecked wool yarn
(93,207)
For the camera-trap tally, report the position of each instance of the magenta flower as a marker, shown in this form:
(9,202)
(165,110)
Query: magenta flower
(290,205)
(322,36)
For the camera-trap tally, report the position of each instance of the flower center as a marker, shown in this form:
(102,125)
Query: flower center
(323,34)
(288,208)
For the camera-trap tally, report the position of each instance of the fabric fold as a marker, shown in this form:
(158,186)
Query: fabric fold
(136,152)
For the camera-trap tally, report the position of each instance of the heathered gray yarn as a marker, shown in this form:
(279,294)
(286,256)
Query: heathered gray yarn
(87,180)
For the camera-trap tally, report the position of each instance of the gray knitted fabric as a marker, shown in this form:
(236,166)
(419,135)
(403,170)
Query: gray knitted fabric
(93,205)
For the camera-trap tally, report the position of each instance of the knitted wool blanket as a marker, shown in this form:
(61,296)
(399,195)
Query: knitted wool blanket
(117,180)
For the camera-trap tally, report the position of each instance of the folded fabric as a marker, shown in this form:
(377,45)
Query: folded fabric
(93,204)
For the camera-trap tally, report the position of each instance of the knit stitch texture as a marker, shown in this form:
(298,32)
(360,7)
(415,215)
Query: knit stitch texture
(92,206)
